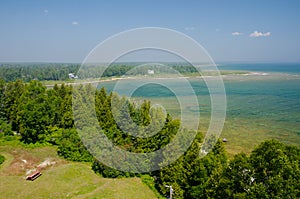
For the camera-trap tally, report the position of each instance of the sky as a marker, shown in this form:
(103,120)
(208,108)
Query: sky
(231,30)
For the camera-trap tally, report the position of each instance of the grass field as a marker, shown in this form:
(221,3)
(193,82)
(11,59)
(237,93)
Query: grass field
(60,179)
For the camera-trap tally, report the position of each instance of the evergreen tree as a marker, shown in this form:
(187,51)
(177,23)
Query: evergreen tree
(12,102)
(33,113)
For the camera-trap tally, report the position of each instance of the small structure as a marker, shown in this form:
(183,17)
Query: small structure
(34,175)
(72,76)
(150,72)
(225,140)
(171,191)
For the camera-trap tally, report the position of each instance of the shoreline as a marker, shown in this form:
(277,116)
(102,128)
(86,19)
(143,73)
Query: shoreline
(226,76)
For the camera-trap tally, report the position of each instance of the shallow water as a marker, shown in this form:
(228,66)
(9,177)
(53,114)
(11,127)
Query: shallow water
(260,105)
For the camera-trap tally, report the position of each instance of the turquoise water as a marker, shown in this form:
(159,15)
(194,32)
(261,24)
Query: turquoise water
(291,68)
(261,105)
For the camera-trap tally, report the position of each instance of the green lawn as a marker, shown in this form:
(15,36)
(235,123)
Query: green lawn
(61,180)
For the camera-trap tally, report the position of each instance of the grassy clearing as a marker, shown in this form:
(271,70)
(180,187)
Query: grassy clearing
(60,180)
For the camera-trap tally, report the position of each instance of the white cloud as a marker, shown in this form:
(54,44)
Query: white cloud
(75,23)
(189,28)
(236,33)
(260,34)
(46,12)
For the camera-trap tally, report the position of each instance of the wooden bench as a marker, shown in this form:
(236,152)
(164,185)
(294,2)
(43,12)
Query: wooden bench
(34,176)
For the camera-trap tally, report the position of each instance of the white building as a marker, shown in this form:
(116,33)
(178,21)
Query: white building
(150,72)
(72,76)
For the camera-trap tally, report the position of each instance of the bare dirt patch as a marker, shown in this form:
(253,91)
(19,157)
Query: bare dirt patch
(26,161)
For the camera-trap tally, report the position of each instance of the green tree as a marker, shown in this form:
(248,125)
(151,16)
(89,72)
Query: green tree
(2,99)
(2,159)
(5,128)
(271,171)
(71,147)
(276,170)
(12,102)
(33,113)
(233,181)
(201,169)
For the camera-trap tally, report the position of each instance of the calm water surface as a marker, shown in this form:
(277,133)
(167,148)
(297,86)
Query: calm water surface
(261,105)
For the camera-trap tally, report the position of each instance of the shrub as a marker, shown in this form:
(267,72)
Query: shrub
(2,158)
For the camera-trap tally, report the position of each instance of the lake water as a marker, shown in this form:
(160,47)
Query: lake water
(263,104)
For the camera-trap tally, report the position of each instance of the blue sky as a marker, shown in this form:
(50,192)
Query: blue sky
(231,30)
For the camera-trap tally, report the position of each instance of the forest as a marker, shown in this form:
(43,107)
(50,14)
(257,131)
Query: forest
(37,115)
(58,71)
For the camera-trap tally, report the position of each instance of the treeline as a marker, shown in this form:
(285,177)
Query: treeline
(43,115)
(271,171)
(26,72)
(40,71)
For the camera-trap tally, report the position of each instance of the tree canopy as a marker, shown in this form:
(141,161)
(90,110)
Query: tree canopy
(41,115)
